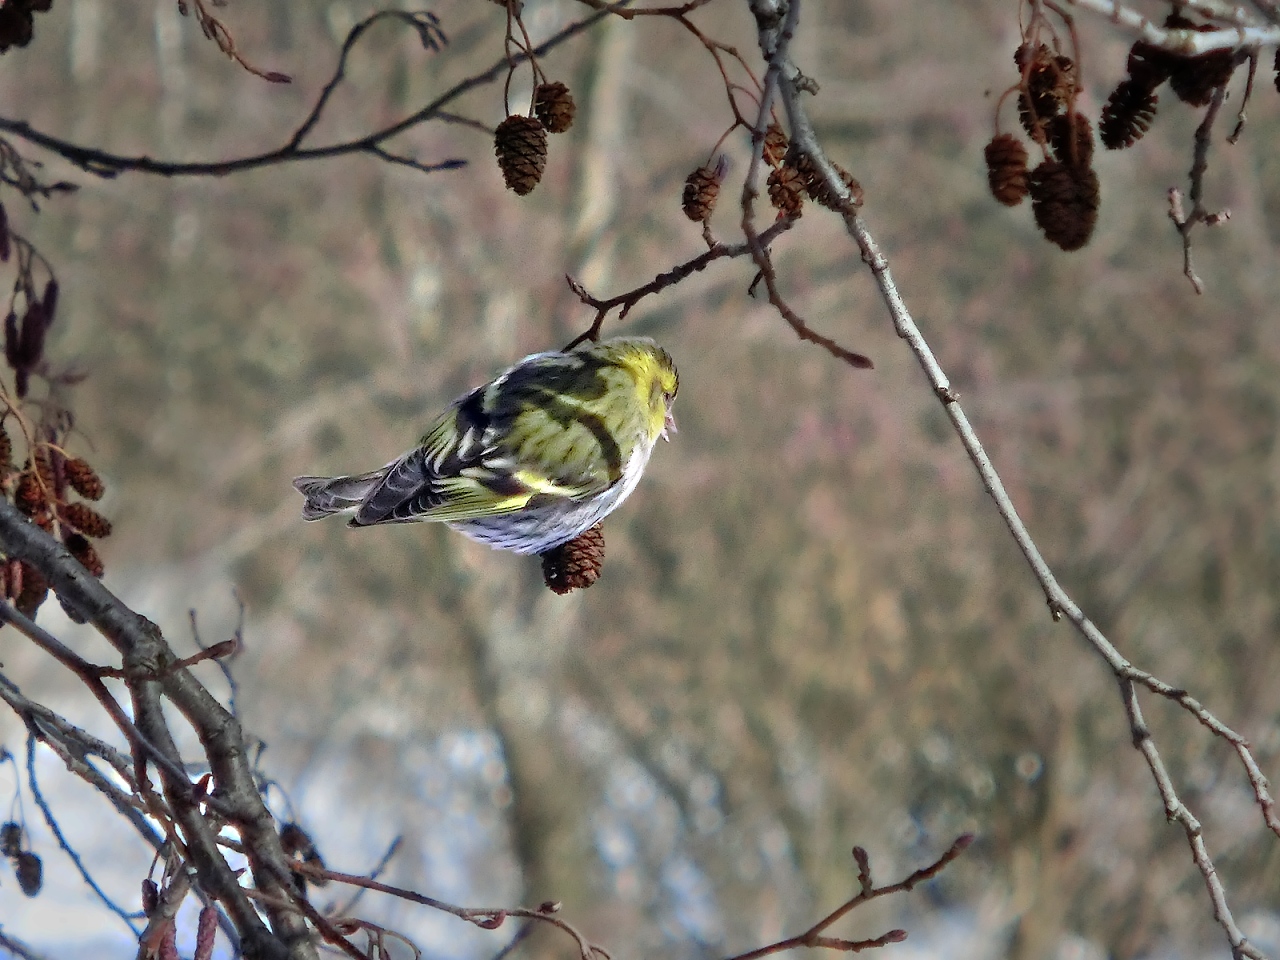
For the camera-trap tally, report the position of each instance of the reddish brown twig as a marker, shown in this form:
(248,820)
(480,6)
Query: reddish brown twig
(215,30)
(488,918)
(623,302)
(813,938)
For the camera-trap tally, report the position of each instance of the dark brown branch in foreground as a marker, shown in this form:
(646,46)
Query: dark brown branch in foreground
(102,163)
(150,674)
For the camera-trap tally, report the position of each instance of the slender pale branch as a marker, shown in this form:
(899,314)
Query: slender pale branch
(773,45)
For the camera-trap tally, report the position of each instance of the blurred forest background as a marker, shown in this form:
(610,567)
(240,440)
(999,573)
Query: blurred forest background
(812,630)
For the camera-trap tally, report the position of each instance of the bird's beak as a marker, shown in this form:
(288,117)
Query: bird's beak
(669,425)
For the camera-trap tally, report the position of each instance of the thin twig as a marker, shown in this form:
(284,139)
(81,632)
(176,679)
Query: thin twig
(488,918)
(867,892)
(69,850)
(667,278)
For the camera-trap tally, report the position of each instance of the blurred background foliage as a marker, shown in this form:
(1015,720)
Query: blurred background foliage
(812,630)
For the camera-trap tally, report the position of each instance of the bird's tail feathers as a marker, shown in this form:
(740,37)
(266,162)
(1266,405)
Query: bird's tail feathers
(329,495)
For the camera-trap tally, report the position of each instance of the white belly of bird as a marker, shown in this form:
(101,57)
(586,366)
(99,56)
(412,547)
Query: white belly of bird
(538,529)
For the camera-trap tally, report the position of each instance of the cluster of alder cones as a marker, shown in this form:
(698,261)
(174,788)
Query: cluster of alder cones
(27,866)
(1132,105)
(17,21)
(520,142)
(42,489)
(1063,187)
(793,177)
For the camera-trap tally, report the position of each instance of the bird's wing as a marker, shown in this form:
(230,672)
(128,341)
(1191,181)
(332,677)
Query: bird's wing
(474,463)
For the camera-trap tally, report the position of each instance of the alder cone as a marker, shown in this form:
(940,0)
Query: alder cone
(575,565)
(1050,85)
(554,107)
(1007,169)
(701,191)
(45,470)
(1071,138)
(86,519)
(786,190)
(1148,66)
(30,497)
(824,195)
(1195,78)
(816,186)
(1127,115)
(1065,201)
(83,479)
(84,552)
(520,144)
(775,144)
(35,590)
(17,26)
(10,839)
(30,872)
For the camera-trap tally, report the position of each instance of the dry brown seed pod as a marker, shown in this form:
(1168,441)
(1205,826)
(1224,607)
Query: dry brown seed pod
(45,469)
(86,519)
(1148,66)
(6,450)
(575,565)
(1127,115)
(35,590)
(1065,202)
(553,106)
(1071,138)
(30,872)
(1195,78)
(786,190)
(1049,85)
(30,495)
(85,553)
(821,193)
(10,839)
(520,144)
(701,190)
(83,479)
(1007,169)
(775,144)
(16,26)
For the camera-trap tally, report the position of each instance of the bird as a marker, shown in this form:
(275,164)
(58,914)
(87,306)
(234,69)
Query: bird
(529,460)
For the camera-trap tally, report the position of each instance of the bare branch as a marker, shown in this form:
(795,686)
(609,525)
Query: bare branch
(104,164)
(867,892)
(69,850)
